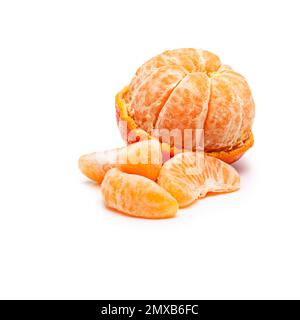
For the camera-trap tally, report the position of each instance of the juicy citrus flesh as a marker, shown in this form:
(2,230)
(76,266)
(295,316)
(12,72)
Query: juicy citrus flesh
(137,196)
(176,90)
(143,158)
(191,175)
(191,89)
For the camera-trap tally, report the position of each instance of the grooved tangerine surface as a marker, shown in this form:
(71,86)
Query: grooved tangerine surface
(152,94)
(193,93)
(219,101)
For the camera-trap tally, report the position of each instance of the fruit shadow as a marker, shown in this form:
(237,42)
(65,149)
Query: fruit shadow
(242,166)
(206,197)
(91,184)
(130,216)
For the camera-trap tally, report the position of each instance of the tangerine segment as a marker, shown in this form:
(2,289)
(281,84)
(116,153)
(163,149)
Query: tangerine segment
(150,97)
(224,117)
(186,108)
(245,98)
(191,175)
(230,113)
(208,61)
(143,158)
(137,196)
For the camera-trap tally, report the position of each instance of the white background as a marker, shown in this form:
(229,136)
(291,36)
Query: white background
(61,63)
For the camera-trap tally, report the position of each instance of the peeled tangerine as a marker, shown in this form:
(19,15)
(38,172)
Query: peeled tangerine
(143,158)
(191,175)
(189,89)
(137,196)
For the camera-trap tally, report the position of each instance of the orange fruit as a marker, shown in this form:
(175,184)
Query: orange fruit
(191,175)
(143,158)
(189,89)
(137,196)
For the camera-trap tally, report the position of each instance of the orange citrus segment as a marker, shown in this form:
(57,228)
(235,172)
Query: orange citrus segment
(244,96)
(143,158)
(186,107)
(137,196)
(224,118)
(230,112)
(96,164)
(191,175)
(153,93)
(208,62)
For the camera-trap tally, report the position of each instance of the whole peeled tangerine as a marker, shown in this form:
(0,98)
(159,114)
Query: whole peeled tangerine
(189,89)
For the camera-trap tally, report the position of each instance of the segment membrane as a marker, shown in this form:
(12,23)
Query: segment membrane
(186,107)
